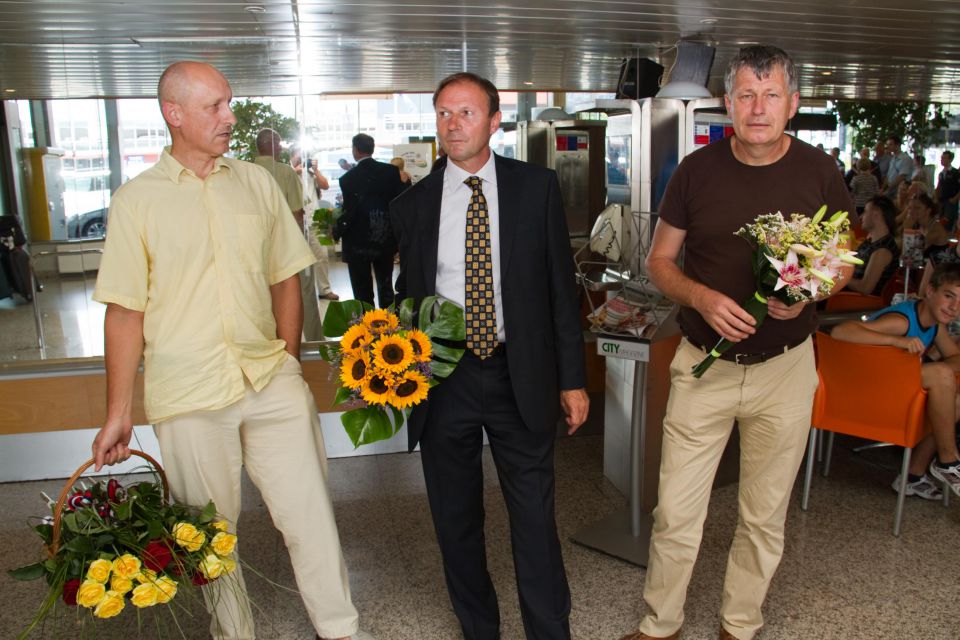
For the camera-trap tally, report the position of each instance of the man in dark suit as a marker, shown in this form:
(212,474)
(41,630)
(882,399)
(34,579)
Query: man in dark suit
(490,233)
(364,226)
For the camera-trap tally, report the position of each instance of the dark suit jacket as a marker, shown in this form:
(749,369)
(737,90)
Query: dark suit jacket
(541,313)
(367,190)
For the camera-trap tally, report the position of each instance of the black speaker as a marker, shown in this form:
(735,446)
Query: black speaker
(639,78)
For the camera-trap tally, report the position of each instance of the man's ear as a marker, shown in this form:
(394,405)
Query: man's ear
(172,113)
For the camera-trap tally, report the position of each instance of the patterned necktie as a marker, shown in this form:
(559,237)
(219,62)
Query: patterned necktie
(480,314)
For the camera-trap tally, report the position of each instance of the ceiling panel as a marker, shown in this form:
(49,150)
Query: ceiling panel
(61,48)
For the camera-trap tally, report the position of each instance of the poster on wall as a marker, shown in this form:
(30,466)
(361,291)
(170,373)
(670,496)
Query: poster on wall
(417,158)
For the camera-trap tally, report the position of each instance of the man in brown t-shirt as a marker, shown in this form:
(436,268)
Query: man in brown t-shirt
(767,380)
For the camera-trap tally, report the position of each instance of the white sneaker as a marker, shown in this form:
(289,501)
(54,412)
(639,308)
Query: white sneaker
(922,488)
(950,475)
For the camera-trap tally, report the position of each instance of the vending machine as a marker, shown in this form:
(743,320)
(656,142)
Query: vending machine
(45,193)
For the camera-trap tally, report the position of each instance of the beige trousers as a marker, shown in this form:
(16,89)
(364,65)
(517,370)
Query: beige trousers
(771,403)
(312,324)
(276,435)
(321,267)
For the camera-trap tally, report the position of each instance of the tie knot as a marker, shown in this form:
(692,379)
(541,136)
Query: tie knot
(473,182)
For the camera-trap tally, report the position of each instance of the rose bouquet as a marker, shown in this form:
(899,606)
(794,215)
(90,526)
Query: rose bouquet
(793,260)
(109,545)
(385,365)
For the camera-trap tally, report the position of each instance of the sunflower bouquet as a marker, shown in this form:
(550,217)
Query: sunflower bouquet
(108,546)
(793,260)
(385,365)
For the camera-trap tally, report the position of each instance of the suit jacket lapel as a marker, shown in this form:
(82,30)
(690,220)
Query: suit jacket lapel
(430,220)
(508,191)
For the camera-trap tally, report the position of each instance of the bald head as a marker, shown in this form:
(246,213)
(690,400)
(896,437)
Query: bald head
(178,80)
(268,143)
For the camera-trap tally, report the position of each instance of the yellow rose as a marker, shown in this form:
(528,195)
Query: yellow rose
(211,566)
(219,525)
(147,576)
(145,595)
(188,536)
(111,605)
(166,589)
(223,543)
(120,584)
(90,593)
(229,564)
(126,566)
(99,570)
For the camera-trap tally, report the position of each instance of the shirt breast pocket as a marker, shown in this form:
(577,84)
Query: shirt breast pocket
(253,232)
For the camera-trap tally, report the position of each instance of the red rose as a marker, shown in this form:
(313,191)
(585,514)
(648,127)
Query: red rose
(156,555)
(198,579)
(70,588)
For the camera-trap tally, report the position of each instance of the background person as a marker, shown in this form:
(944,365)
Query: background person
(878,251)
(767,380)
(268,157)
(199,274)
(364,226)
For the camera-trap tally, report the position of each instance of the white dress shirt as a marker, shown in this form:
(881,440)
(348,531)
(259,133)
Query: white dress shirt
(451,258)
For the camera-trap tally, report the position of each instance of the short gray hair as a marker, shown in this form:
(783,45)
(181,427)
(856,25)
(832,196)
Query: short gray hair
(761,59)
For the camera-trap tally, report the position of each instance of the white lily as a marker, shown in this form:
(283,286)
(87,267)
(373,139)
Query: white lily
(789,271)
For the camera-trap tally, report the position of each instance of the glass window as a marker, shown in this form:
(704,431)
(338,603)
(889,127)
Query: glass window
(81,131)
(143,135)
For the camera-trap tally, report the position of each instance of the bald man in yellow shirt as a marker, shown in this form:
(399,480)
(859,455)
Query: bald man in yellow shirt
(199,275)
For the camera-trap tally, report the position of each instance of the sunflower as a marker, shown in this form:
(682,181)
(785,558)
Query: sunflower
(422,349)
(380,321)
(354,370)
(375,389)
(356,337)
(411,389)
(392,353)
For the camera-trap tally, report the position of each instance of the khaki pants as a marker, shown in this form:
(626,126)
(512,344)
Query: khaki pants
(312,324)
(772,403)
(275,434)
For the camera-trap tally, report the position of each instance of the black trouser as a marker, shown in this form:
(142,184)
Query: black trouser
(362,284)
(478,395)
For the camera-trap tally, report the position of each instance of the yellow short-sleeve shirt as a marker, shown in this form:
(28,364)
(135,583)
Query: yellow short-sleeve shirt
(198,257)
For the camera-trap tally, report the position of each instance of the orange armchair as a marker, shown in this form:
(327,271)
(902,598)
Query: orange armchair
(891,410)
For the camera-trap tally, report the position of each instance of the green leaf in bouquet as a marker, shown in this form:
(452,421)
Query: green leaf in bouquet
(342,395)
(441,369)
(405,312)
(398,418)
(366,425)
(445,353)
(81,545)
(104,540)
(208,513)
(329,351)
(123,510)
(447,323)
(339,315)
(29,572)
(45,531)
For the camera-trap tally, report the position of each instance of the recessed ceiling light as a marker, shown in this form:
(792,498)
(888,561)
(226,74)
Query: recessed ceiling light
(255,8)
(528,83)
(709,21)
(826,73)
(9,90)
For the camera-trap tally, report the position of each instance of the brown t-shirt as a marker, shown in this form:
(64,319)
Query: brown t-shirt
(712,194)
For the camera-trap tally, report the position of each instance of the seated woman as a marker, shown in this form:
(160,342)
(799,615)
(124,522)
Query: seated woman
(921,214)
(878,250)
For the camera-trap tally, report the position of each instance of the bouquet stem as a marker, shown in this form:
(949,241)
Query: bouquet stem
(756,306)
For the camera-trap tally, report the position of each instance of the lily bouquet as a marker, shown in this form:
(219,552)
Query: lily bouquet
(385,365)
(793,260)
(108,545)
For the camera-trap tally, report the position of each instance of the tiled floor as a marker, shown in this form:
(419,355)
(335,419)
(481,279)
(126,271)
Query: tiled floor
(844,576)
